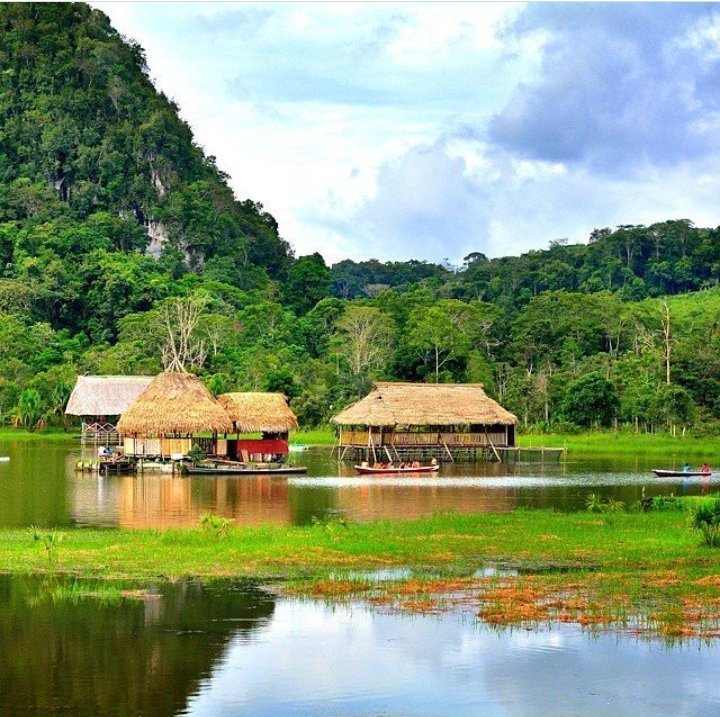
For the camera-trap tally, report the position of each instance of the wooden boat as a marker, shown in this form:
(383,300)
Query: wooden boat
(382,471)
(243,469)
(680,474)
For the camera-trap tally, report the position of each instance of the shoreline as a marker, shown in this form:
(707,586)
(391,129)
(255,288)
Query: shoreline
(602,443)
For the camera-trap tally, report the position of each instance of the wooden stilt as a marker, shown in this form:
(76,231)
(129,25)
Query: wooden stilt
(452,460)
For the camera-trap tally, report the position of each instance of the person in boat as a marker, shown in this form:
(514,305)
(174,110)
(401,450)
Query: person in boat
(686,468)
(416,464)
(433,462)
(705,468)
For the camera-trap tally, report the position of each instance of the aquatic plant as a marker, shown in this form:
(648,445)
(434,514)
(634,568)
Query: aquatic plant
(49,541)
(613,506)
(330,521)
(706,519)
(217,525)
(593,503)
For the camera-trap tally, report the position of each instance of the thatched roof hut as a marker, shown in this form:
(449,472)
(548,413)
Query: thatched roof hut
(175,404)
(425,404)
(253,412)
(105,395)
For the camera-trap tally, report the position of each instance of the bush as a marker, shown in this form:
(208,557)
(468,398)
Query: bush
(196,453)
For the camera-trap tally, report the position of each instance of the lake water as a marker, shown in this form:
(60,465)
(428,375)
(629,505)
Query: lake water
(236,649)
(39,486)
(232,649)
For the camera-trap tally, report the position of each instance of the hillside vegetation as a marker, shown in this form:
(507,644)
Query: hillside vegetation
(115,227)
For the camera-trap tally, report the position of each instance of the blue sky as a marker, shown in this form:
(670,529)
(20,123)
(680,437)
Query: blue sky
(431,130)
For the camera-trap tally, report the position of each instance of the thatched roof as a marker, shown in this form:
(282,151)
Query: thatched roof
(105,395)
(425,404)
(254,412)
(175,403)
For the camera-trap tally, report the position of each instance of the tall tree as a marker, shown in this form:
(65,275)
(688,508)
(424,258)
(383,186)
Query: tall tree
(363,338)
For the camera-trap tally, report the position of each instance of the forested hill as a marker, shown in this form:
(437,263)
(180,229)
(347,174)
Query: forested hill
(117,234)
(86,138)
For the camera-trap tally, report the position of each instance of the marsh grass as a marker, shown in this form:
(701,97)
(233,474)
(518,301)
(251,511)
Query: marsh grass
(706,519)
(59,591)
(629,570)
(49,540)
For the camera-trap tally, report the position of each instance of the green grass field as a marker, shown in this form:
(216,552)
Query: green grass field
(449,542)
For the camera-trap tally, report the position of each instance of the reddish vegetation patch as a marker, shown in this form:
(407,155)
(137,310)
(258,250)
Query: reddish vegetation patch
(709,580)
(530,600)
(664,579)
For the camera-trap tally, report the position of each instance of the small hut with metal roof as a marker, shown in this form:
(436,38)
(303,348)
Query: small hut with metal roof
(400,421)
(266,413)
(174,413)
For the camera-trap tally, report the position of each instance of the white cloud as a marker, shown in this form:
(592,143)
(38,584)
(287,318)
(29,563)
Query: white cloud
(363,127)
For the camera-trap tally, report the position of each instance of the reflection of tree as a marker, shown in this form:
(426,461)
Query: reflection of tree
(34,490)
(138,658)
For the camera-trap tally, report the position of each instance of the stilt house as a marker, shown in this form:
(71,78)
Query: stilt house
(264,413)
(100,400)
(174,413)
(397,421)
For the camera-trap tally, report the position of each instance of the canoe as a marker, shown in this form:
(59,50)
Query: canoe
(680,474)
(422,469)
(244,470)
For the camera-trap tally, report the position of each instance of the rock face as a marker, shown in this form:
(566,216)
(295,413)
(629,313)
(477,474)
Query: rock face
(158,236)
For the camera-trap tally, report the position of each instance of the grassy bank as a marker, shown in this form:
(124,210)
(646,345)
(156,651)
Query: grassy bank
(573,567)
(599,442)
(314,437)
(592,442)
(48,434)
(627,443)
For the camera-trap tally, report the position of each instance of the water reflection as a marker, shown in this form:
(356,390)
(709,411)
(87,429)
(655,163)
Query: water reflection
(144,657)
(234,650)
(351,661)
(40,486)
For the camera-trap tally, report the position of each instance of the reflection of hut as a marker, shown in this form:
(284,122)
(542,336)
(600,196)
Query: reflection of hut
(265,413)
(396,421)
(99,400)
(170,416)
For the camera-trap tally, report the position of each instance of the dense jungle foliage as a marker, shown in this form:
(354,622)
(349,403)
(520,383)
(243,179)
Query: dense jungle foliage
(114,226)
